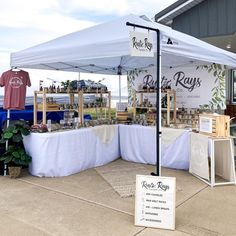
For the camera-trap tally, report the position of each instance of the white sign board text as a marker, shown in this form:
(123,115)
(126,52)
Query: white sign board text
(155,201)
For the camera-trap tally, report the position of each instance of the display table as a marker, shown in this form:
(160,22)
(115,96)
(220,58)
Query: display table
(138,144)
(64,153)
(67,152)
(28,115)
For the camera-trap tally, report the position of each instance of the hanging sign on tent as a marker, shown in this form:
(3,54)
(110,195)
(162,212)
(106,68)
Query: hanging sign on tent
(155,201)
(141,44)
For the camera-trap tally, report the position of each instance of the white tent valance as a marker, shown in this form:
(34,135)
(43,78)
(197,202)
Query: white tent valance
(102,48)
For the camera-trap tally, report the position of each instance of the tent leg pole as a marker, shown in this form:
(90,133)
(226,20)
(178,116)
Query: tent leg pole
(8,122)
(119,89)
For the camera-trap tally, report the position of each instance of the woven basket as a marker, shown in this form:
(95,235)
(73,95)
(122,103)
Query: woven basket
(14,171)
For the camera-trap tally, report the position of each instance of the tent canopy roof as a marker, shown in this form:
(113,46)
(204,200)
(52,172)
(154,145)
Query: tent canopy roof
(102,48)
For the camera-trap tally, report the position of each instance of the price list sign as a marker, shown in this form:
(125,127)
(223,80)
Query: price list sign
(155,201)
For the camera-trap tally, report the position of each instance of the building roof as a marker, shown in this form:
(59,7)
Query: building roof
(168,14)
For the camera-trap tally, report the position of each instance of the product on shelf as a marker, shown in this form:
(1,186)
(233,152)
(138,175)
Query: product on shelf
(49,104)
(39,128)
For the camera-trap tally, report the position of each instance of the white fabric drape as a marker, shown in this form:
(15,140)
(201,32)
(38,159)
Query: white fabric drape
(66,153)
(138,144)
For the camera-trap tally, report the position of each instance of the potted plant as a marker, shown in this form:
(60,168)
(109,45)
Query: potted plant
(66,85)
(15,156)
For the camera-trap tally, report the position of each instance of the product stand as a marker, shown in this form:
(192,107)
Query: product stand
(46,108)
(81,103)
(81,106)
(35,108)
(141,101)
(171,93)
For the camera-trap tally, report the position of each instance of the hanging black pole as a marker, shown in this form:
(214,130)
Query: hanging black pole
(158,109)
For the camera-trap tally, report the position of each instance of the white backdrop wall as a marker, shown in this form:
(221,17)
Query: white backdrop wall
(196,86)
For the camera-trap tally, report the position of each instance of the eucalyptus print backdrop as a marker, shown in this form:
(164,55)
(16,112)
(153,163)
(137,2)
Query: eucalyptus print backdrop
(218,100)
(131,79)
(212,77)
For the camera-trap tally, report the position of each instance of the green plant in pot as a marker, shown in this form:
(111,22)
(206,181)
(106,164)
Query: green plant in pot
(15,155)
(66,85)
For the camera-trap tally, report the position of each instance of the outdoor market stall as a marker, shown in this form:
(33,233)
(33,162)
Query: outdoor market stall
(105,49)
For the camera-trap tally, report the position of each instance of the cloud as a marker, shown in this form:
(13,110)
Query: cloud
(39,16)
(70,15)
(117,7)
(29,22)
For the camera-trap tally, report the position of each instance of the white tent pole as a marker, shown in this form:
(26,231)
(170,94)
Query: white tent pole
(8,122)
(8,118)
(119,88)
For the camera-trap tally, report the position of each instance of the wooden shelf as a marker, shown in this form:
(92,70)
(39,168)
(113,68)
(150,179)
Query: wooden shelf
(154,108)
(166,109)
(170,93)
(145,91)
(49,110)
(80,108)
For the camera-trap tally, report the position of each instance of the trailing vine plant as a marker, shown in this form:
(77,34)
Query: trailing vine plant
(218,91)
(132,75)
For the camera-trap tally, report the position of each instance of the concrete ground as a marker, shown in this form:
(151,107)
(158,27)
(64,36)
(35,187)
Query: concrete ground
(85,204)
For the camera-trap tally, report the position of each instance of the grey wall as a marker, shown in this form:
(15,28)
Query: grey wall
(209,18)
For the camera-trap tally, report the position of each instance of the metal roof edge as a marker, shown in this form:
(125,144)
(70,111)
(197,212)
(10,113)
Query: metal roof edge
(174,8)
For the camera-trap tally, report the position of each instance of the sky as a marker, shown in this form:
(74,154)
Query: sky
(27,23)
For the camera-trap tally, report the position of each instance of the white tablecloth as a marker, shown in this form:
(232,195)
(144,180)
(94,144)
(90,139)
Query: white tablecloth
(65,153)
(138,144)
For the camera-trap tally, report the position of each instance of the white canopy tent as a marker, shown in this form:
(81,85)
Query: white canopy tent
(105,49)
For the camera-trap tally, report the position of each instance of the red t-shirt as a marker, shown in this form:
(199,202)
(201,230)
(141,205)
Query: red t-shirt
(15,83)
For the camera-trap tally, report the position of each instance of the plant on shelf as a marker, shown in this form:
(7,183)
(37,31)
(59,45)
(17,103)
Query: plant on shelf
(65,86)
(99,101)
(15,156)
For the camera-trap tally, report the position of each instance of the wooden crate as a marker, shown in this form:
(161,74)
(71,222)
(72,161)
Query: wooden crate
(151,117)
(214,125)
(49,106)
(123,116)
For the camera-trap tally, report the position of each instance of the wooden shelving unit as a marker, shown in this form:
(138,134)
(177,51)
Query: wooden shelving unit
(81,103)
(45,107)
(170,94)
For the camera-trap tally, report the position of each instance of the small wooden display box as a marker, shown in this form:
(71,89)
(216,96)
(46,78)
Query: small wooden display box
(214,125)
(49,106)
(123,116)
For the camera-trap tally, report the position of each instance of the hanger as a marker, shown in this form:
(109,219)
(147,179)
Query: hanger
(16,69)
